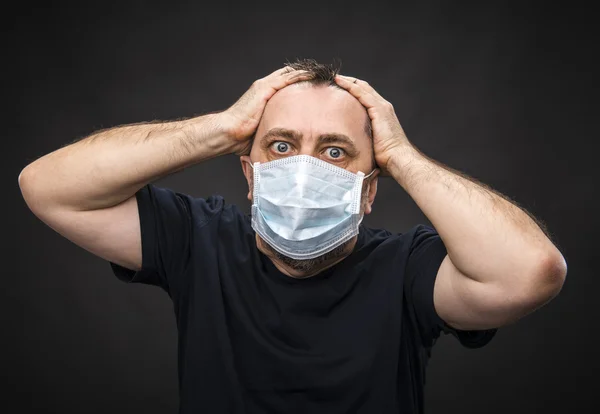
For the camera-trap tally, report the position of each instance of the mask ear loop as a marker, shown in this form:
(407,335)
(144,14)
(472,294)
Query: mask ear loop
(362,180)
(371,173)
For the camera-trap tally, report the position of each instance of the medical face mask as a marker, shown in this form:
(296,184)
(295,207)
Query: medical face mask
(305,207)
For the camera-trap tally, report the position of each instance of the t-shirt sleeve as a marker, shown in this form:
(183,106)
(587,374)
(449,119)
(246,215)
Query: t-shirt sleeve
(166,230)
(427,252)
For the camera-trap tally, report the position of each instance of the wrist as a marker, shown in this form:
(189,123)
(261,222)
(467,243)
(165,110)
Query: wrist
(211,132)
(402,161)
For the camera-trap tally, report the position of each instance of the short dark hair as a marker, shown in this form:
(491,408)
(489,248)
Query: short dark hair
(319,73)
(324,74)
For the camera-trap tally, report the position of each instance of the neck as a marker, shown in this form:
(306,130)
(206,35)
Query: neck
(290,271)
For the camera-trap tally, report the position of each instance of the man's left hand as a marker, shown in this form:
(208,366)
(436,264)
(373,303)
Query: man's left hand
(388,136)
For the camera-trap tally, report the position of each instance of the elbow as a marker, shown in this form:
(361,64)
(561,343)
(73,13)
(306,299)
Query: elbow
(23,177)
(537,286)
(548,278)
(30,189)
(25,183)
(554,271)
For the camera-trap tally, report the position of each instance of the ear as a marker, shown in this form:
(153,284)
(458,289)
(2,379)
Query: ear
(372,192)
(248,173)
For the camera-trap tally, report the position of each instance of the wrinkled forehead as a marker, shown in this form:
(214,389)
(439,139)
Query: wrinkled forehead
(316,110)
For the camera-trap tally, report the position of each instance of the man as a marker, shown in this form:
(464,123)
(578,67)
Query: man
(300,308)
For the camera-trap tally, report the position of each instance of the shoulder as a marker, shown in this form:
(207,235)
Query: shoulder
(194,211)
(217,219)
(205,209)
(408,240)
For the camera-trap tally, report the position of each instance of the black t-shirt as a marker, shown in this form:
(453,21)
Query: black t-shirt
(355,338)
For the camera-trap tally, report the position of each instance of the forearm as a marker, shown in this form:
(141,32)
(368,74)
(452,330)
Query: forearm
(488,238)
(108,167)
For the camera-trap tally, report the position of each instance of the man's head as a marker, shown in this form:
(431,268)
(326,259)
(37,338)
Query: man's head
(318,118)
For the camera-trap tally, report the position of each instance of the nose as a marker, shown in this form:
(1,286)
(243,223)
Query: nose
(308,149)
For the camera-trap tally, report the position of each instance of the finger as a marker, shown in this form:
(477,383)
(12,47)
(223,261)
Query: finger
(279,72)
(288,78)
(365,85)
(285,72)
(353,86)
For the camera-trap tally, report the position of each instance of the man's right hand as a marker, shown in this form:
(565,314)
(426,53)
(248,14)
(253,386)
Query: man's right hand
(243,117)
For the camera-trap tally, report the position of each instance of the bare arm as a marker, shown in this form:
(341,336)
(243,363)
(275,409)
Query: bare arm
(86,191)
(500,265)
(108,167)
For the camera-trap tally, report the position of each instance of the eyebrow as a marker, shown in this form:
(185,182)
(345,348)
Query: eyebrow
(329,138)
(290,134)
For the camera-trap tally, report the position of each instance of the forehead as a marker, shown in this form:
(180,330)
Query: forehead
(315,110)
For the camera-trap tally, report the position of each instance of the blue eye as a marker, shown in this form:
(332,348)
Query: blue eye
(281,146)
(335,152)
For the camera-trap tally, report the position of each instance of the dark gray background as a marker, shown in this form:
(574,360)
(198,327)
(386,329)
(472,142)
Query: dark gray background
(501,93)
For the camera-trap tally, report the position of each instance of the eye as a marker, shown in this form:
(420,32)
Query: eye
(281,147)
(334,152)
